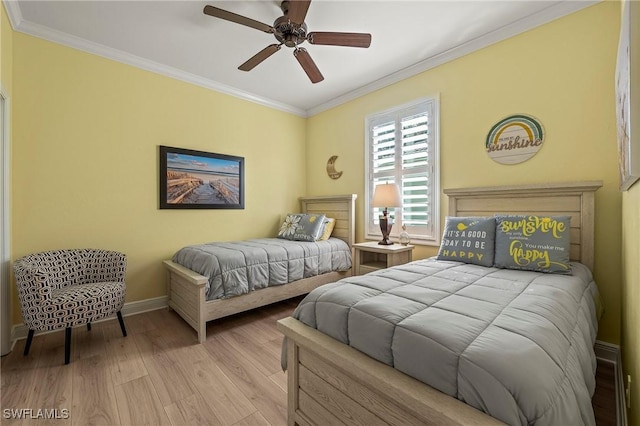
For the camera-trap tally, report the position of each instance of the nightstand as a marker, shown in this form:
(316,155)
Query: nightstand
(371,256)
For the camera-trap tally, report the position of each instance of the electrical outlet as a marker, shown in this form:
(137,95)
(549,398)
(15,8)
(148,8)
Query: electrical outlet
(628,391)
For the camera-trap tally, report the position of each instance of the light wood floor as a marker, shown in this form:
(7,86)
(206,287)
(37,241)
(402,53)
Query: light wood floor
(159,375)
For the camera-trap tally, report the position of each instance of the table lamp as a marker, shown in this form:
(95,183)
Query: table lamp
(386,195)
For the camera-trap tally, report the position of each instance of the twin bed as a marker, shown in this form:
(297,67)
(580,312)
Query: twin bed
(515,344)
(188,289)
(344,374)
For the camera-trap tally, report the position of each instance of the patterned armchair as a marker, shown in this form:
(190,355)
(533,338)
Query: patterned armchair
(65,288)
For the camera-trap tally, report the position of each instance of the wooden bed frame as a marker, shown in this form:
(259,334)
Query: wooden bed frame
(332,383)
(186,288)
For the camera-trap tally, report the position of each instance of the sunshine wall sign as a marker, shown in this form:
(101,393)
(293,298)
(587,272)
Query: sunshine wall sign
(514,139)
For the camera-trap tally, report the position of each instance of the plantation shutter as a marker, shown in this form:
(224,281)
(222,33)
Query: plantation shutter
(402,150)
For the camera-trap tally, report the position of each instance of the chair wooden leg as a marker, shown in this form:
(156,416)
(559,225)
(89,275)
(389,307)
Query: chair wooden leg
(27,346)
(88,326)
(124,330)
(67,344)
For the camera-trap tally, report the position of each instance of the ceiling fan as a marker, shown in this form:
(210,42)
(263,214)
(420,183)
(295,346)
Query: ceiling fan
(291,31)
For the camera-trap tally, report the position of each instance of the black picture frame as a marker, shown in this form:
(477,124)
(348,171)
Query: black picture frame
(192,179)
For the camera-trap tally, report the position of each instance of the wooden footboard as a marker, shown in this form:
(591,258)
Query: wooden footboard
(186,290)
(332,383)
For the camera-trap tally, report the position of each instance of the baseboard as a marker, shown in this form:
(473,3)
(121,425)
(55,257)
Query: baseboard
(611,353)
(19,331)
(607,351)
(146,305)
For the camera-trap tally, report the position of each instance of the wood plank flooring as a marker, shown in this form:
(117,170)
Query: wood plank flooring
(159,375)
(604,399)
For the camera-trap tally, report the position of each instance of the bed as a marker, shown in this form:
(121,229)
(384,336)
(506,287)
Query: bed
(332,383)
(186,288)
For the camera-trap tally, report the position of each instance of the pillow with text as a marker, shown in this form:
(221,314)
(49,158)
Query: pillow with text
(302,227)
(468,240)
(533,243)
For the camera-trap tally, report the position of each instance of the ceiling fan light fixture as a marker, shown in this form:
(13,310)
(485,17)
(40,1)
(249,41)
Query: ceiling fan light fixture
(290,30)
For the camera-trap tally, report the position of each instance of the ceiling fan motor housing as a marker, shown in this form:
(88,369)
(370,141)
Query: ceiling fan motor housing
(288,33)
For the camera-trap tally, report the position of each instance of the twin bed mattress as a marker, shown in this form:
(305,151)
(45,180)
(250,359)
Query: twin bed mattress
(517,345)
(235,268)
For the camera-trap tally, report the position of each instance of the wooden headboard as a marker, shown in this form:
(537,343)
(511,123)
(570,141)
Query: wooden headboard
(576,199)
(339,207)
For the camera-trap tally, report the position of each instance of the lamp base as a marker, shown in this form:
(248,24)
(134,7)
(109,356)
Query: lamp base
(385,228)
(385,241)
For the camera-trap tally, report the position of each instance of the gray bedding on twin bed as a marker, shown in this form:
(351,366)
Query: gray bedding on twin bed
(235,268)
(517,345)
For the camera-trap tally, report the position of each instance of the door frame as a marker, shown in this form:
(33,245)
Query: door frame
(5,224)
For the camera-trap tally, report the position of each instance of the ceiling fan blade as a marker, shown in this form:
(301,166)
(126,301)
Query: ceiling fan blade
(259,57)
(298,10)
(340,39)
(308,65)
(238,19)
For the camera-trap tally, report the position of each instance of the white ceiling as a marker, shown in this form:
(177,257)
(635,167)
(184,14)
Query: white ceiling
(175,38)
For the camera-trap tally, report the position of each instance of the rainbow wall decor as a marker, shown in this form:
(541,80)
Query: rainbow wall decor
(514,139)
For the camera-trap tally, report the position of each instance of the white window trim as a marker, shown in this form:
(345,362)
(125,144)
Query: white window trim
(435,175)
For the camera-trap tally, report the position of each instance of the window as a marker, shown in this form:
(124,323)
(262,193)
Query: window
(401,147)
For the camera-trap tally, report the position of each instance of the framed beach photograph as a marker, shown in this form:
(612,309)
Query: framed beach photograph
(628,96)
(200,180)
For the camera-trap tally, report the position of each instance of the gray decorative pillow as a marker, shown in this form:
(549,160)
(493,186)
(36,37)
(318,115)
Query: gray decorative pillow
(302,227)
(468,240)
(533,243)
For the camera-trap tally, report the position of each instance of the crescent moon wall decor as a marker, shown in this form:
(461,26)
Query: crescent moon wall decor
(331,168)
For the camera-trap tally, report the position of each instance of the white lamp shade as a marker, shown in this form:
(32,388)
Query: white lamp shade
(387,195)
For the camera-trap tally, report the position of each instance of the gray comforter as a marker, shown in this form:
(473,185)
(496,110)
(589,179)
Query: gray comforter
(517,345)
(235,268)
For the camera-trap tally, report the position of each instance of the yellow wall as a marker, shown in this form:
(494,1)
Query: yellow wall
(562,73)
(86,132)
(6,50)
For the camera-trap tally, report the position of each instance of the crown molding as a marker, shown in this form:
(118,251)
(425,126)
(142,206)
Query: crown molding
(547,15)
(551,13)
(13,12)
(78,43)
